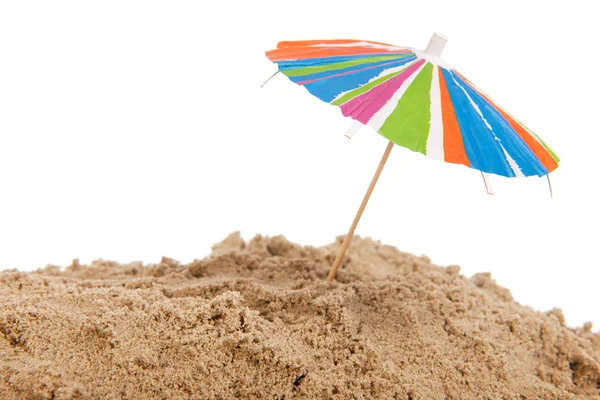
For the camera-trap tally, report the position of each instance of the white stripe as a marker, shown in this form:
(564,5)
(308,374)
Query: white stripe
(378,119)
(511,161)
(383,73)
(388,47)
(513,164)
(435,141)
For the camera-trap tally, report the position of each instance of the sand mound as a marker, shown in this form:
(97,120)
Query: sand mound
(257,320)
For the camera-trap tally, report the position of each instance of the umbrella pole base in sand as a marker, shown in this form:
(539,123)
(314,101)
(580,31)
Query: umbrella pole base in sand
(346,242)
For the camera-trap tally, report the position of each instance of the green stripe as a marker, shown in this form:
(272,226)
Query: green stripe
(408,125)
(341,65)
(365,88)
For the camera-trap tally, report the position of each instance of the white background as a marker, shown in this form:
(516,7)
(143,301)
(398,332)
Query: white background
(135,129)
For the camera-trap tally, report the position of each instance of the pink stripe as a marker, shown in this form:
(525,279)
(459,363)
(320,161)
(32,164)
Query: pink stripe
(363,107)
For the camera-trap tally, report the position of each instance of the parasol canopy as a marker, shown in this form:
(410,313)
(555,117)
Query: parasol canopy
(417,101)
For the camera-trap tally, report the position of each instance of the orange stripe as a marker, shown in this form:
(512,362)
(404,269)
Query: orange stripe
(317,52)
(536,147)
(305,43)
(454,147)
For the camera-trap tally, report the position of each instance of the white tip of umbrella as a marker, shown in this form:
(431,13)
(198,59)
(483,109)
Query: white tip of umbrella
(436,45)
(353,129)
(488,183)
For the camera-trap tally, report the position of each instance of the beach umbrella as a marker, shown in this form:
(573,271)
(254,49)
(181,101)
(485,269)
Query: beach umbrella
(415,100)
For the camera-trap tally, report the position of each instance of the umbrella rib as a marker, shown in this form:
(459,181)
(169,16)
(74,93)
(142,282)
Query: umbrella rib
(488,185)
(271,77)
(356,125)
(346,242)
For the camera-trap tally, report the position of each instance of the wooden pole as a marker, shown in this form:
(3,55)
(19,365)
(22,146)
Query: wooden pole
(346,242)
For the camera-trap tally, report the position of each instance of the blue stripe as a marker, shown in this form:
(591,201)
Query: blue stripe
(309,62)
(527,161)
(325,74)
(329,89)
(483,150)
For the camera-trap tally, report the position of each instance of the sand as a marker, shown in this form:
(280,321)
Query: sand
(257,320)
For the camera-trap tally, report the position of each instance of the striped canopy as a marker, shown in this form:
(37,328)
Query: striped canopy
(417,101)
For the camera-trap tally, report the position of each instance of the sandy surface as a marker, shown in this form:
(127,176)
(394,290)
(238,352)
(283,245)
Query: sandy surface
(257,320)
